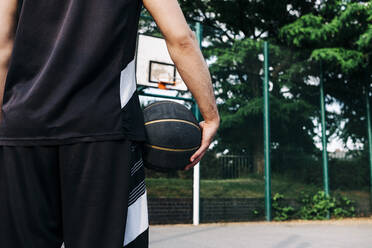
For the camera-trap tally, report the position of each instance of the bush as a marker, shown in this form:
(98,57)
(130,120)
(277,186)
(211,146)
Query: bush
(315,207)
(281,211)
(320,205)
(344,207)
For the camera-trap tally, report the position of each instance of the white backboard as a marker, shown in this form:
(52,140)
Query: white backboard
(154,65)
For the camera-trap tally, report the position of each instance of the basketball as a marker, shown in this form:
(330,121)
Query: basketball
(173,136)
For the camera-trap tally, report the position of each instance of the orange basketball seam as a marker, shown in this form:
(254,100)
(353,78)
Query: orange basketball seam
(172,149)
(172,120)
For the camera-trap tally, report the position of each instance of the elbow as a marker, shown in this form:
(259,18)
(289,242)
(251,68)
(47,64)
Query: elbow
(183,40)
(4,63)
(5,55)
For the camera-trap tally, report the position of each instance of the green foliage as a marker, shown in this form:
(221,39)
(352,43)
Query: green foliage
(313,207)
(346,60)
(335,42)
(365,40)
(234,30)
(252,18)
(338,36)
(281,212)
(304,31)
(237,76)
(317,207)
(336,33)
(315,30)
(344,207)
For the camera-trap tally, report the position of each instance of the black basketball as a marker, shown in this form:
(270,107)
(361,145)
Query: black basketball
(173,135)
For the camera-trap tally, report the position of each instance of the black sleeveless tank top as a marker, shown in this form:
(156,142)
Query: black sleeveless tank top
(71,76)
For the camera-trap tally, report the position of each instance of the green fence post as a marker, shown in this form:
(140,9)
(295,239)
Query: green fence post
(199,36)
(369,129)
(324,135)
(266,117)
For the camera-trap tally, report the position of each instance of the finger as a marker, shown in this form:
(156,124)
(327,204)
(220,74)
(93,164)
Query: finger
(193,163)
(197,160)
(189,166)
(204,144)
(201,149)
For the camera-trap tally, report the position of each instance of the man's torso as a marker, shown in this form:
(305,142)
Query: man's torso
(70,75)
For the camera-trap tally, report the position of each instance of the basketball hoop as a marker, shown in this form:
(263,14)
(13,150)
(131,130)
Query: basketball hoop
(154,66)
(163,84)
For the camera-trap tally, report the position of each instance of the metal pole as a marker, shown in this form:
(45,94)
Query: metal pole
(368,108)
(266,114)
(196,187)
(199,33)
(324,135)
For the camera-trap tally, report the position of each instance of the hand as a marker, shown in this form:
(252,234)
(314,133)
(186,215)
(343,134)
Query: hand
(209,130)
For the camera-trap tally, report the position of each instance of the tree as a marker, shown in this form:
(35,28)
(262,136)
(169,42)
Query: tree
(234,31)
(236,73)
(233,34)
(339,37)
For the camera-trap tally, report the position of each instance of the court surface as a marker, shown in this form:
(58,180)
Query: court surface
(351,233)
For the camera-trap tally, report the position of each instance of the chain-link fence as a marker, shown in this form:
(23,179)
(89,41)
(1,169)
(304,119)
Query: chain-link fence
(232,184)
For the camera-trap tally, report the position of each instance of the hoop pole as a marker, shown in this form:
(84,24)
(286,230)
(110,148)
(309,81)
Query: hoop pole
(196,179)
(196,185)
(266,114)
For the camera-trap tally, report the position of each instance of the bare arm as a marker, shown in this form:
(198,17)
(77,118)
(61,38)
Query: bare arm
(8,11)
(185,53)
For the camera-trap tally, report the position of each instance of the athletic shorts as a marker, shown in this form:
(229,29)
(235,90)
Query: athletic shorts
(85,195)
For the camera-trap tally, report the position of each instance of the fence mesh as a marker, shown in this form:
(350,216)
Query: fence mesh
(232,182)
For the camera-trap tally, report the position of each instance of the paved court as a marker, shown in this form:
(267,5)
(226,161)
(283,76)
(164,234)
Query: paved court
(356,233)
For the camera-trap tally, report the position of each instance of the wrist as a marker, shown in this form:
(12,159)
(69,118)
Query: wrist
(215,120)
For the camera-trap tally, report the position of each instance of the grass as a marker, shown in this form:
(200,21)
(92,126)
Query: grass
(249,187)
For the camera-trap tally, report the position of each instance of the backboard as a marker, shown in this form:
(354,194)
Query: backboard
(154,66)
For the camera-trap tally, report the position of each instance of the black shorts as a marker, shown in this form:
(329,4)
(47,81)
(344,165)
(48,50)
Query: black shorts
(87,195)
